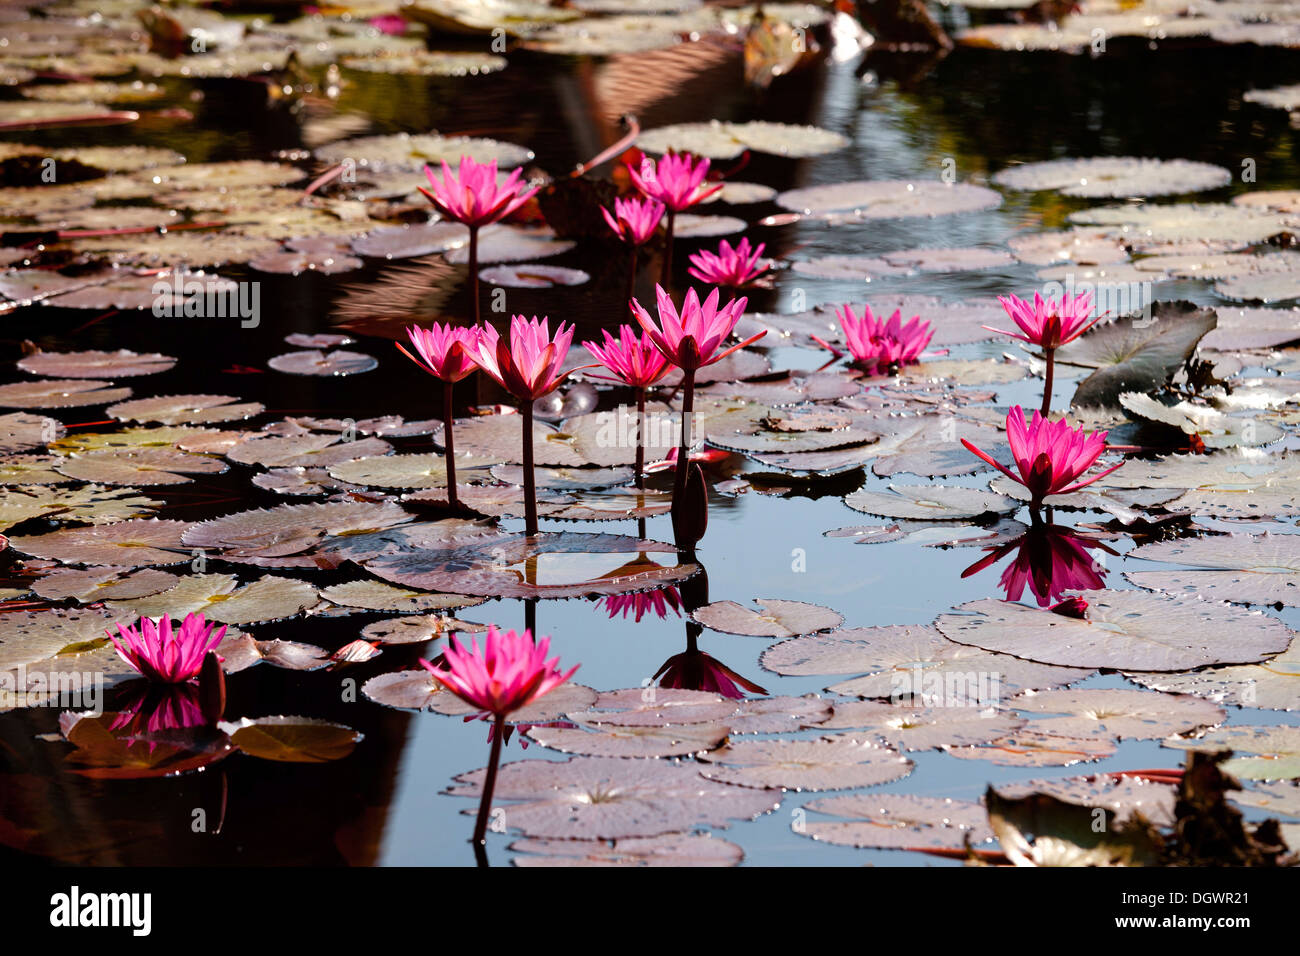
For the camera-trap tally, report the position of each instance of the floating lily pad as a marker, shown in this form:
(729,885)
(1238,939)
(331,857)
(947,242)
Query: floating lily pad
(217,597)
(671,849)
(896,821)
(103,584)
(292,529)
(719,140)
(416,629)
(631,741)
(1270,753)
(905,726)
(1271,685)
(293,739)
(136,543)
(185,409)
(1129,630)
(1118,713)
(60,393)
(1247,569)
(1030,748)
(241,651)
(375,595)
(887,199)
(930,502)
(828,763)
(122,363)
(1115,177)
(777,619)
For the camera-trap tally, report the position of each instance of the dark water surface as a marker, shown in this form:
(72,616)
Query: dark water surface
(383,804)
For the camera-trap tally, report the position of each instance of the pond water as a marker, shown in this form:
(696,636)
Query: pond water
(973,112)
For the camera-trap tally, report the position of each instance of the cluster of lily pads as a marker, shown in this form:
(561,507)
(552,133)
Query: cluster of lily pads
(1201,402)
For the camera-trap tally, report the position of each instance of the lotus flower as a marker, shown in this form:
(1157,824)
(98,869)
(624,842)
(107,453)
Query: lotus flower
(696,670)
(529,365)
(633,358)
(728,266)
(509,672)
(1050,560)
(690,338)
(674,181)
(634,220)
(445,351)
(165,655)
(1051,457)
(878,345)
(658,602)
(471,195)
(1048,323)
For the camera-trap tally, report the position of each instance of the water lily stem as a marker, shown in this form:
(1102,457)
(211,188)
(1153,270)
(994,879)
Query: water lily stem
(530,480)
(449,442)
(640,438)
(683,451)
(666,275)
(631,275)
(1047,381)
(473,270)
(490,783)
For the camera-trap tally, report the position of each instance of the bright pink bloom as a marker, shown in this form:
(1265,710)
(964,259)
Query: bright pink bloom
(659,602)
(634,220)
(632,358)
(510,672)
(472,195)
(696,670)
(447,350)
(155,710)
(1050,456)
(674,181)
(690,339)
(390,23)
(729,267)
(164,655)
(1049,323)
(529,365)
(878,345)
(702,456)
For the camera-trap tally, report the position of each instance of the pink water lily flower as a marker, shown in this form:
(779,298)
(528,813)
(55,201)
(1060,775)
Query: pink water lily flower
(509,672)
(879,345)
(445,351)
(696,670)
(529,364)
(472,196)
(1048,323)
(632,357)
(635,219)
(658,602)
(674,181)
(164,654)
(690,338)
(1051,457)
(729,266)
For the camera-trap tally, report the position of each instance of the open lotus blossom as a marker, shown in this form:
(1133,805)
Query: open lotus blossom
(879,345)
(658,602)
(696,670)
(690,339)
(632,357)
(729,266)
(676,181)
(1048,323)
(472,195)
(165,654)
(1048,559)
(529,364)
(1050,457)
(445,351)
(510,671)
(634,219)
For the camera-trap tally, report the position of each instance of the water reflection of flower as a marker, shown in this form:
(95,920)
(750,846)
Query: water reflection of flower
(695,670)
(658,602)
(1050,560)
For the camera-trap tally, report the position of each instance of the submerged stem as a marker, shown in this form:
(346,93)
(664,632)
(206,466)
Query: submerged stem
(683,450)
(1047,382)
(666,273)
(473,270)
(640,438)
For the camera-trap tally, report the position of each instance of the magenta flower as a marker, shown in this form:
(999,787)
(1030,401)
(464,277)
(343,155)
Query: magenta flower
(728,266)
(446,351)
(154,710)
(509,672)
(658,602)
(690,338)
(1049,560)
(165,655)
(472,196)
(674,181)
(879,345)
(633,358)
(1051,457)
(1048,323)
(696,670)
(529,365)
(634,220)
